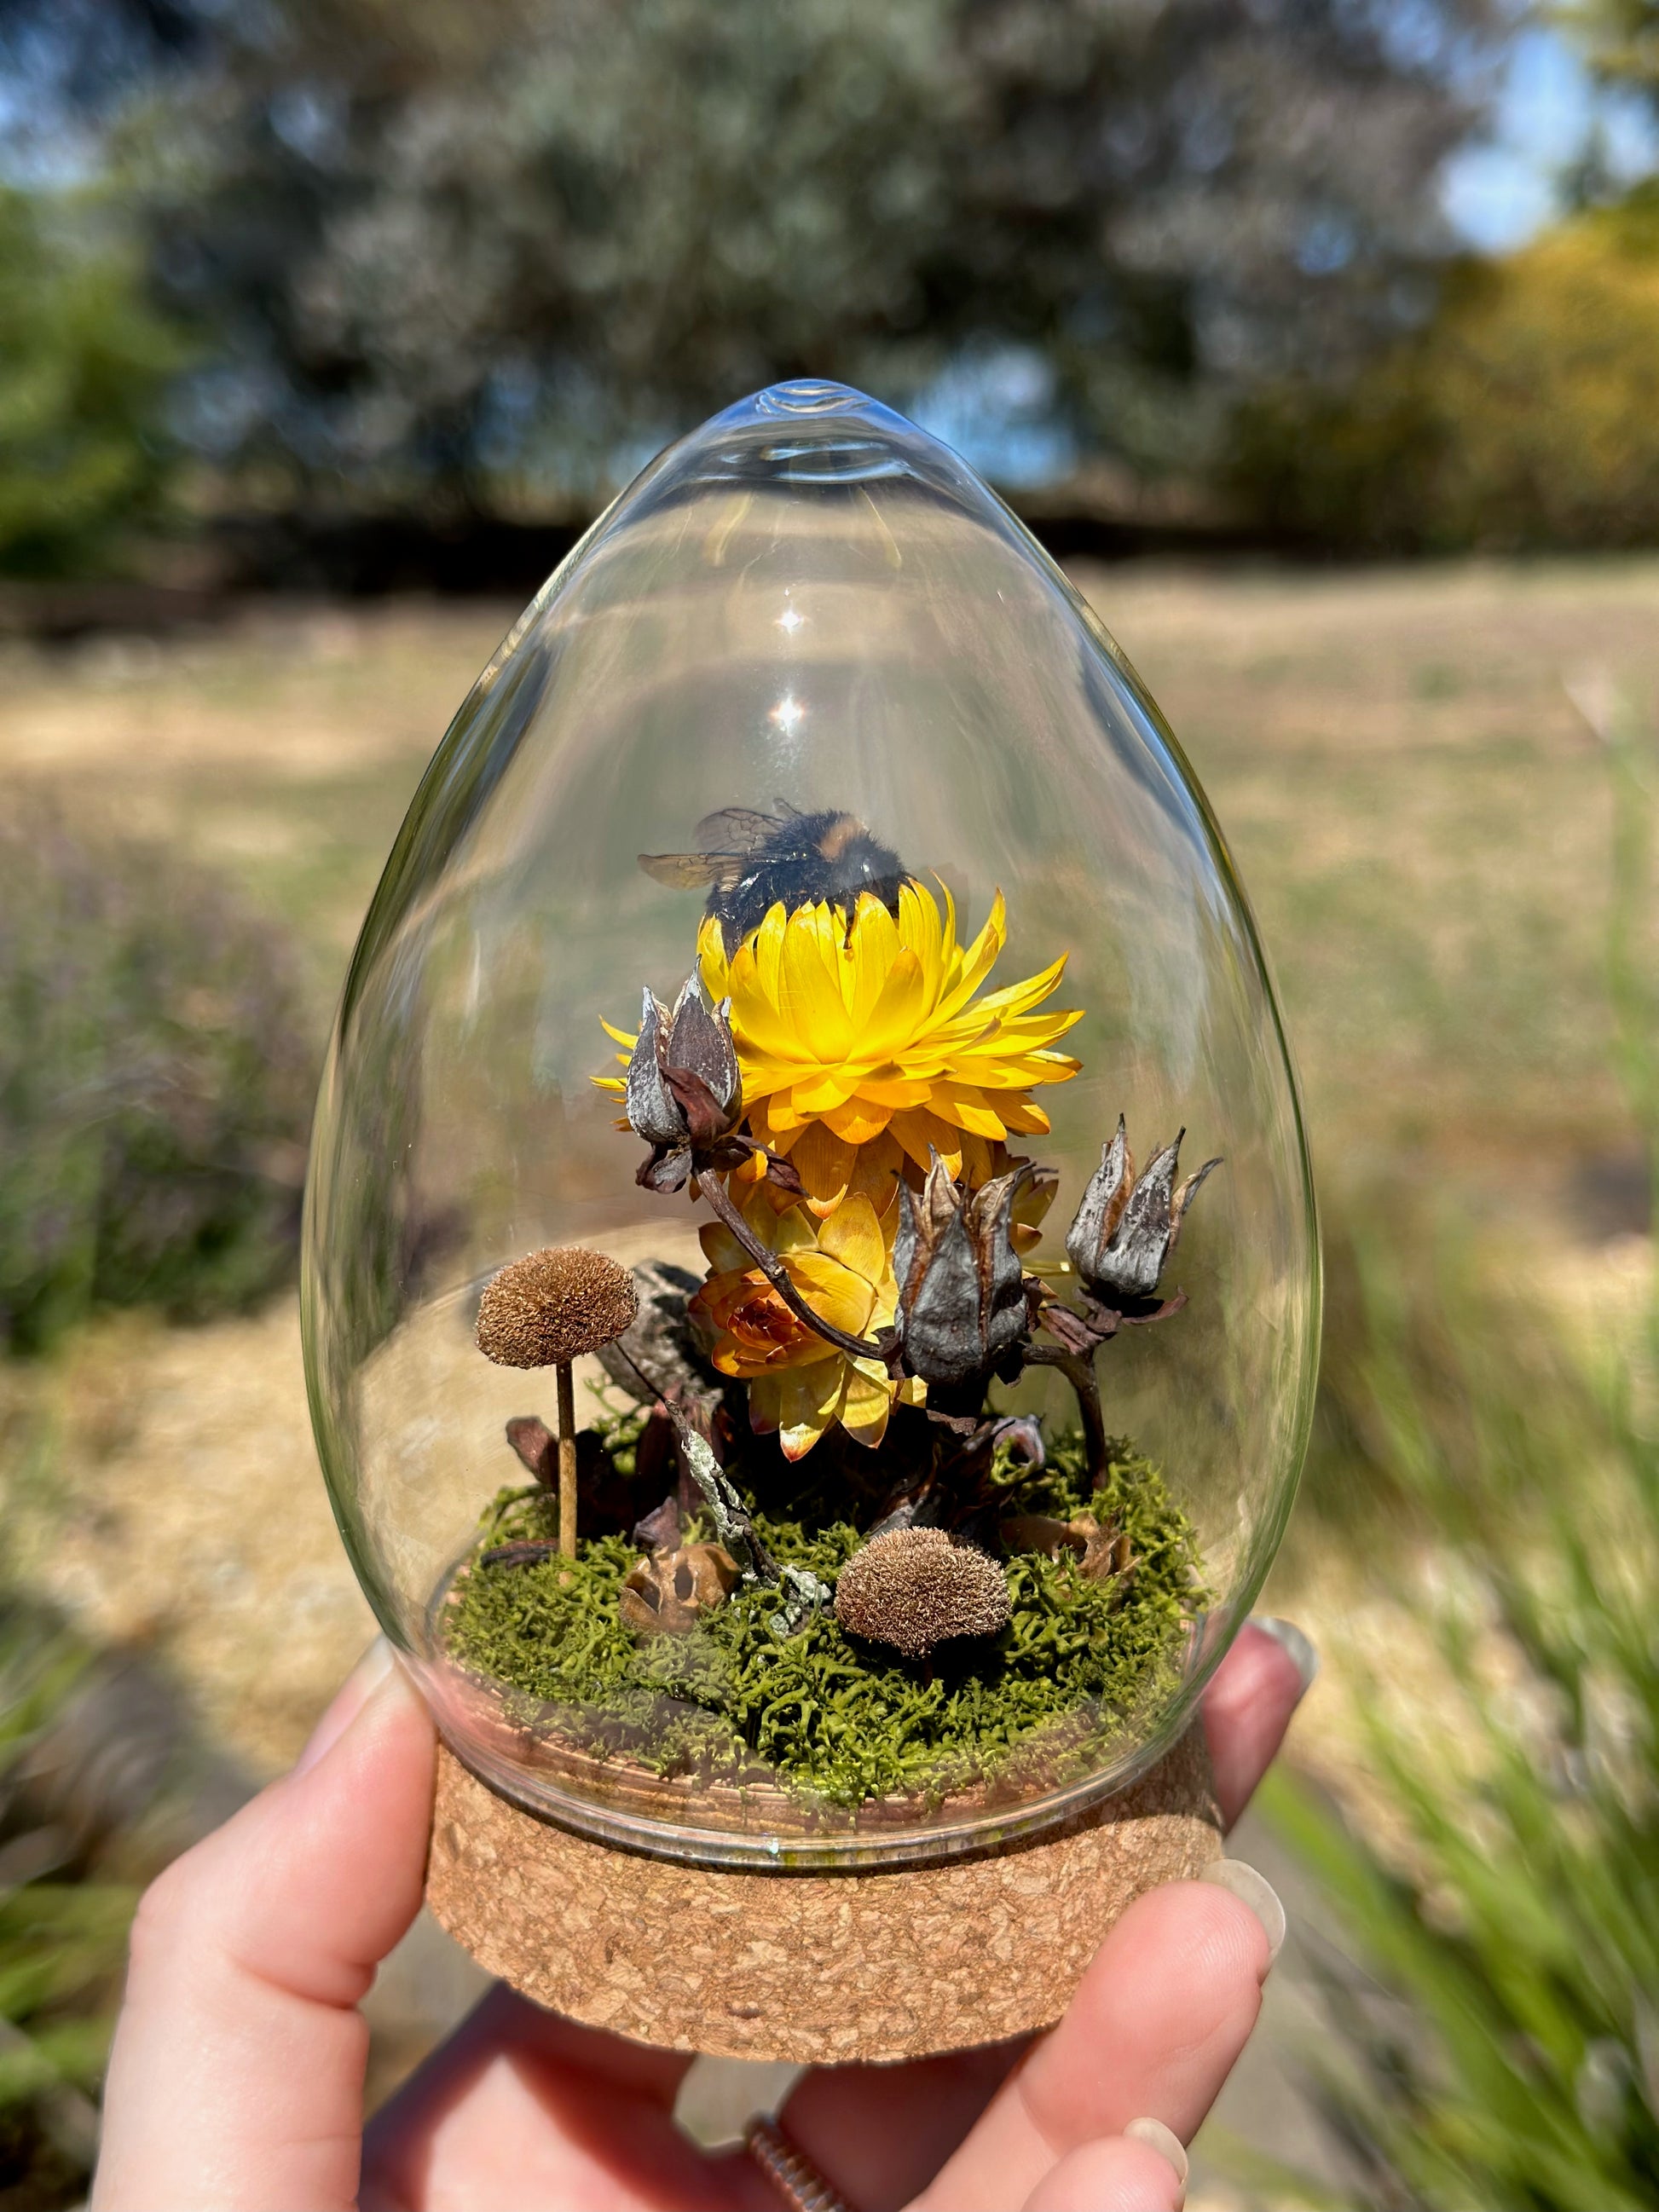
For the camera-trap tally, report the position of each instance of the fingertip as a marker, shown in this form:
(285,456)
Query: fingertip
(1116,2173)
(354,1693)
(1247,1709)
(1257,1894)
(1208,1935)
(314,1879)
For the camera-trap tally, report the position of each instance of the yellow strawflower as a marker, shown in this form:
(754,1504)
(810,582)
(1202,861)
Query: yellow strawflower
(879,1030)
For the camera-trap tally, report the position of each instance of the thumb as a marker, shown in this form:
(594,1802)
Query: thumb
(236,2078)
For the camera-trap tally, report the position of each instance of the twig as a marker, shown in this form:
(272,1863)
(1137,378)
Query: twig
(856,1347)
(1078,1369)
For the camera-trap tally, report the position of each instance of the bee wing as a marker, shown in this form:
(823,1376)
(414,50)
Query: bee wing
(684,871)
(736,829)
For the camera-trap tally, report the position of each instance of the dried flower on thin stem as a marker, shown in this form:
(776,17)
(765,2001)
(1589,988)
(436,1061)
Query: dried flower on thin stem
(547,1310)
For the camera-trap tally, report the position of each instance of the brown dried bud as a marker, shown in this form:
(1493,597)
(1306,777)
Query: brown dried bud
(670,1592)
(914,1588)
(684,1090)
(549,1309)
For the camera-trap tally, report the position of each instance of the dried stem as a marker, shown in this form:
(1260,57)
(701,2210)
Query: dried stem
(1078,1369)
(567,1460)
(856,1347)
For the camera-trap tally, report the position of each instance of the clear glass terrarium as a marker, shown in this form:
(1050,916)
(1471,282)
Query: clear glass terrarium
(756,1374)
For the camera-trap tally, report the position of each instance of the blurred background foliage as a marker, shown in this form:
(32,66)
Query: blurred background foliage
(1187,267)
(1498,2044)
(85,362)
(1516,421)
(156,1085)
(481,260)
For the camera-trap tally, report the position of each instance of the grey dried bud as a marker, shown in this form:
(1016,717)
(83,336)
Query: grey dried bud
(917,1588)
(961,1306)
(1128,1226)
(683,1087)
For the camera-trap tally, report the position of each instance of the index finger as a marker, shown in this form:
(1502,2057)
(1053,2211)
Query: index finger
(236,2078)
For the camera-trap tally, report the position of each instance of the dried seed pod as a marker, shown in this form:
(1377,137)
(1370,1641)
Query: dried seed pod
(961,1306)
(1127,1224)
(1040,1532)
(1104,1554)
(916,1588)
(671,1591)
(552,1307)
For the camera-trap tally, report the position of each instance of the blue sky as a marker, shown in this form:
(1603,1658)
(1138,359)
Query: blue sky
(1498,194)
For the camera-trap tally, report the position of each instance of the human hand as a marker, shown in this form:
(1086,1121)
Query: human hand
(236,2084)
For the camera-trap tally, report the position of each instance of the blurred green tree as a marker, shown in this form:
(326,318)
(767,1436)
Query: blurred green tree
(84,361)
(1521,418)
(504,250)
(1624,42)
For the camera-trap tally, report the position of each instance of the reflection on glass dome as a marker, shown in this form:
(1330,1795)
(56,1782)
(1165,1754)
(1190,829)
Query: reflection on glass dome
(829,1423)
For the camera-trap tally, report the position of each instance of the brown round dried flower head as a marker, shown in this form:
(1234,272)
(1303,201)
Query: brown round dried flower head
(914,1588)
(549,1309)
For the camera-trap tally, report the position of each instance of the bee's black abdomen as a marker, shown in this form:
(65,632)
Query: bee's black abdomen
(814,857)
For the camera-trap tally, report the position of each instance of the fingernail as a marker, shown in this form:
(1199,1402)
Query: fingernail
(1295,1641)
(1168,2145)
(1254,1890)
(360,1685)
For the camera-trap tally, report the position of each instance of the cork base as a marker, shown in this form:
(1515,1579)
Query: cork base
(822,1969)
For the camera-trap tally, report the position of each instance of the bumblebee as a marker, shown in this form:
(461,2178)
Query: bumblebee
(752,862)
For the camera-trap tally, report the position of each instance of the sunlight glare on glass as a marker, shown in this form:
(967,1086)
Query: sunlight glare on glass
(787,714)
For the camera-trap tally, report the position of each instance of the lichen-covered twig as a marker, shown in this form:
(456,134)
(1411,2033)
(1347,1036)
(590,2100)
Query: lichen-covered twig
(734,1526)
(803,1592)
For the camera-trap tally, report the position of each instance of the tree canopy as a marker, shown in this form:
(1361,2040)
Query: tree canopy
(503,249)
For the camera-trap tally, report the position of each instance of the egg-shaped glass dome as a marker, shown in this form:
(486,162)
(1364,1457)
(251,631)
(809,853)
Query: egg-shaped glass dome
(811,1289)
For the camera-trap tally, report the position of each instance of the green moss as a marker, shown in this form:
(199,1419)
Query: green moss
(833,1719)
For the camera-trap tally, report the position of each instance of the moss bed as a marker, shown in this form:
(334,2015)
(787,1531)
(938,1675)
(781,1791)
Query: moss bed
(832,1719)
